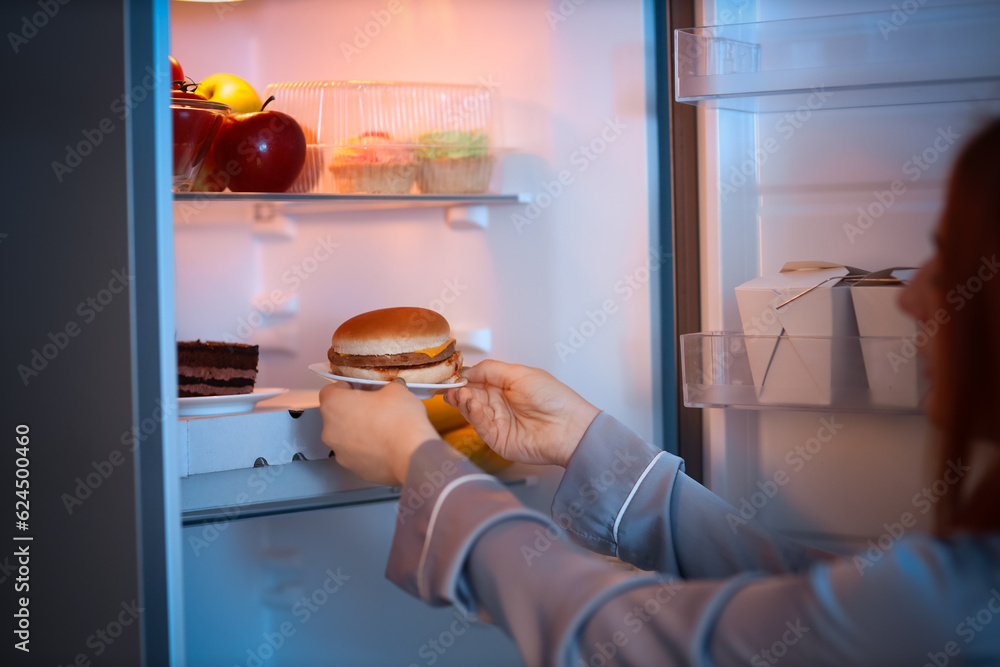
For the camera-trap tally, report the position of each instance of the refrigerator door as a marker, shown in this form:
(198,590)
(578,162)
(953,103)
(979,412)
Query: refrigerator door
(94,563)
(827,130)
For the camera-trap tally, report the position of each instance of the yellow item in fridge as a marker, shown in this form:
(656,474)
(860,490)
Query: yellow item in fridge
(468,442)
(443,416)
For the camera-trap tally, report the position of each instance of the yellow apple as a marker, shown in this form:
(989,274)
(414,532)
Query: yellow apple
(231,90)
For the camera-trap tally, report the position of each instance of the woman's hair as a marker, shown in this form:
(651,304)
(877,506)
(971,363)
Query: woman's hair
(968,380)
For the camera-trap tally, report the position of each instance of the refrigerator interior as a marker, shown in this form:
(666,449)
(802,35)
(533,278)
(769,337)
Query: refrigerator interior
(795,183)
(568,291)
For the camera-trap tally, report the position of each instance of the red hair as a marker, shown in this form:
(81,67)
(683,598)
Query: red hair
(968,380)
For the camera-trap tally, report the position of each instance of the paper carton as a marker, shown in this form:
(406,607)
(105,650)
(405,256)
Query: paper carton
(895,371)
(801,334)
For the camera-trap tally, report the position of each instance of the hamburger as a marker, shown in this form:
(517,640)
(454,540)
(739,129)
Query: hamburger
(410,343)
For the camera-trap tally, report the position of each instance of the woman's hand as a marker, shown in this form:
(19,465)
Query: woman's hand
(523,413)
(374,433)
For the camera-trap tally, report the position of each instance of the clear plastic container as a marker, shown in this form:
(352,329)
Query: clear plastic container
(914,55)
(718,372)
(381,137)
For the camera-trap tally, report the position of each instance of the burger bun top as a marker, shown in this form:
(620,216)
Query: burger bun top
(391,331)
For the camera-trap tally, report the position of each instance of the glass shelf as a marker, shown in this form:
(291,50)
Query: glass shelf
(930,55)
(271,213)
(843,374)
(317,202)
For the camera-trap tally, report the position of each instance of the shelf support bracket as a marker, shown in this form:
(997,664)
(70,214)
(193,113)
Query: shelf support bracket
(467,217)
(270,224)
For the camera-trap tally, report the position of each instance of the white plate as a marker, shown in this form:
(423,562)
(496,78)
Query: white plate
(421,390)
(205,406)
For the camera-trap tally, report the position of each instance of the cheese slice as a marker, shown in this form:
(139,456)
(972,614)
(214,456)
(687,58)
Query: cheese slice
(433,351)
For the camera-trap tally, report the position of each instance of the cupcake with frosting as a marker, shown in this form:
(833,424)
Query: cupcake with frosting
(374,163)
(454,162)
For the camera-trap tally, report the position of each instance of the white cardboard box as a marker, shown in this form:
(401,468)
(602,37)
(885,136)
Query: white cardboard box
(277,430)
(895,373)
(801,334)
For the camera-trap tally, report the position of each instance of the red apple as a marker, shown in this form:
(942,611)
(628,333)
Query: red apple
(176,73)
(261,151)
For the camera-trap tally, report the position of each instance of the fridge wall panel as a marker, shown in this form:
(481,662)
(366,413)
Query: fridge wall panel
(562,283)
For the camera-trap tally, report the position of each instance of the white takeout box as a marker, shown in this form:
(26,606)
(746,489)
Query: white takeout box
(801,334)
(895,371)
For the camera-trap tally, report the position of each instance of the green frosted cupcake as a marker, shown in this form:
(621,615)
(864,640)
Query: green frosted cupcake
(454,162)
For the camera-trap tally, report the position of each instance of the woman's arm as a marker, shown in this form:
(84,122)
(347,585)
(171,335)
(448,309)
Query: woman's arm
(462,538)
(623,497)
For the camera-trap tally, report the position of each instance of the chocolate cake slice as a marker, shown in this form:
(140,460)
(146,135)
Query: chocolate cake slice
(215,369)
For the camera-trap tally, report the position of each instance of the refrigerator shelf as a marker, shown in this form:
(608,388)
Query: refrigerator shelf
(312,202)
(270,212)
(821,374)
(299,486)
(889,57)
